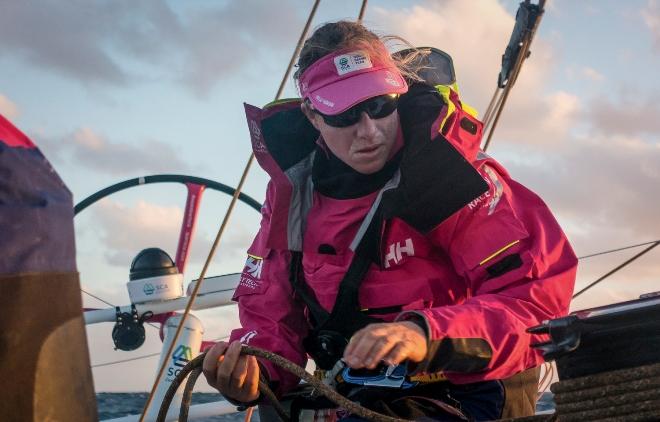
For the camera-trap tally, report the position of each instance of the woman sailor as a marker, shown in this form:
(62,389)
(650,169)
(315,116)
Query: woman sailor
(388,237)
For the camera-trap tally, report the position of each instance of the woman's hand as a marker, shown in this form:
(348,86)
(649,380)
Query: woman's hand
(392,342)
(234,375)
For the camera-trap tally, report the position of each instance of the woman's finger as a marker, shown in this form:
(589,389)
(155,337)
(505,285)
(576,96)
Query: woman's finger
(366,342)
(239,374)
(251,386)
(380,348)
(226,367)
(397,354)
(210,364)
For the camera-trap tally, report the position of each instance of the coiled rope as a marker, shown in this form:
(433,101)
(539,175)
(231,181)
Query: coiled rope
(194,368)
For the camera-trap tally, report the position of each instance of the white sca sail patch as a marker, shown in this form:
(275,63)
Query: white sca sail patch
(350,62)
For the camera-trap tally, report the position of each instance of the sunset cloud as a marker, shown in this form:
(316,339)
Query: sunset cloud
(651,17)
(592,74)
(94,151)
(477,59)
(127,229)
(121,42)
(627,114)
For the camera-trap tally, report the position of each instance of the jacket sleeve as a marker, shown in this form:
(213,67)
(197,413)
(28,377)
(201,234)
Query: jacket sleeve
(519,270)
(271,318)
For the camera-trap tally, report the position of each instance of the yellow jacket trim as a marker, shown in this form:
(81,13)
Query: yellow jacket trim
(499,252)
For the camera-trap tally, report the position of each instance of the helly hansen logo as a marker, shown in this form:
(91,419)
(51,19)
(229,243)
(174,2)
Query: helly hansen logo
(397,250)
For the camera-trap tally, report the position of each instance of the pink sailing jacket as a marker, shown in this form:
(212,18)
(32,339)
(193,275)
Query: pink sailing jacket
(492,264)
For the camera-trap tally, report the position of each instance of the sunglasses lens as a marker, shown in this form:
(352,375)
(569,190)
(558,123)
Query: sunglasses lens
(345,119)
(380,107)
(376,108)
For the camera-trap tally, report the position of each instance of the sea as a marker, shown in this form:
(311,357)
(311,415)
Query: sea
(115,405)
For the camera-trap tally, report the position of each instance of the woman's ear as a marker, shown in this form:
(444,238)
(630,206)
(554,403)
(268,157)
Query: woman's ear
(309,113)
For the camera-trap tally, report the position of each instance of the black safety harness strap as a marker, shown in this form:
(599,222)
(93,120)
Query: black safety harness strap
(331,330)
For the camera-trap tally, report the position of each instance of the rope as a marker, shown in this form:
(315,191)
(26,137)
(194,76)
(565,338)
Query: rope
(237,192)
(187,394)
(196,364)
(625,394)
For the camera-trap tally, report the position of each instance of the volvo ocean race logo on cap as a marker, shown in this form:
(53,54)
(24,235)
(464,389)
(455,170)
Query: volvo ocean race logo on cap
(351,62)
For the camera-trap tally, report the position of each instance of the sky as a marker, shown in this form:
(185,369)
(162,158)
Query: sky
(112,90)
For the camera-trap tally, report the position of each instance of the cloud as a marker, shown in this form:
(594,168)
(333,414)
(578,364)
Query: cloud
(117,43)
(125,230)
(626,114)
(94,151)
(8,108)
(220,42)
(477,59)
(651,17)
(66,37)
(592,74)
(604,190)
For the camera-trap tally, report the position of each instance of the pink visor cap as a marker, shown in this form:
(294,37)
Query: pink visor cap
(340,80)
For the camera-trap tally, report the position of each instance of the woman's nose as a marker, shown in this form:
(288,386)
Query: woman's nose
(366,126)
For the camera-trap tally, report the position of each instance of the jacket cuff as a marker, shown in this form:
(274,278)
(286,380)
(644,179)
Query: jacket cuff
(240,406)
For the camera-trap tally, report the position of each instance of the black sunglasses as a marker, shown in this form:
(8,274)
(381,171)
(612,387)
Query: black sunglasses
(376,108)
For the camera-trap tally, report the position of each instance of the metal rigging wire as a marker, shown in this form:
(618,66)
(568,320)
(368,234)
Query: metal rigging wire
(656,243)
(239,188)
(98,365)
(97,298)
(363,9)
(111,305)
(618,249)
(494,112)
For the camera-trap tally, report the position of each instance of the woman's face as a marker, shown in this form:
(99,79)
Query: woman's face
(365,146)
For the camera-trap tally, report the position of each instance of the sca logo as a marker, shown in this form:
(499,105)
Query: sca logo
(180,357)
(149,288)
(343,62)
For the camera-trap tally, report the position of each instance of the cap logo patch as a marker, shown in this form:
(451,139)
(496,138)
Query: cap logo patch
(350,62)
